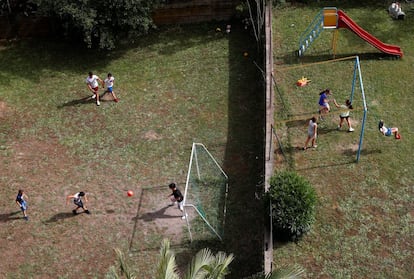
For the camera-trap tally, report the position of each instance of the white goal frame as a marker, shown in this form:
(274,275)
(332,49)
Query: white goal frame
(185,204)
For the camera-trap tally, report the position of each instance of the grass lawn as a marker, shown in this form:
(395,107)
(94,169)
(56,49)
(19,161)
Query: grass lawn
(177,86)
(365,216)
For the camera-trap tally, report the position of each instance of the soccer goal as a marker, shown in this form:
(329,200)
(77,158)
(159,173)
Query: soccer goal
(205,195)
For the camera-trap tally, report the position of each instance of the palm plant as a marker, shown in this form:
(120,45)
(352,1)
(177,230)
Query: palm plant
(204,265)
(288,272)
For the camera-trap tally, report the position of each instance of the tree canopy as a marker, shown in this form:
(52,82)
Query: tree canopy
(100,23)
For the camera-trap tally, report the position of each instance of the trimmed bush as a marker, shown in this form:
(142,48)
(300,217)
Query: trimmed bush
(293,201)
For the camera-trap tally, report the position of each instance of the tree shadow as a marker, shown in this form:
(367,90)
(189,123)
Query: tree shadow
(324,55)
(65,58)
(6,217)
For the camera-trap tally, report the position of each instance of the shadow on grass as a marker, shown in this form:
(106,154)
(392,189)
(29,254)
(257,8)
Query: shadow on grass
(293,59)
(76,102)
(6,217)
(61,216)
(243,163)
(27,58)
(330,165)
(159,214)
(323,130)
(366,151)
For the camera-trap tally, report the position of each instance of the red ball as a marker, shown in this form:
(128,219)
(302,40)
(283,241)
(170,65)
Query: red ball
(130,193)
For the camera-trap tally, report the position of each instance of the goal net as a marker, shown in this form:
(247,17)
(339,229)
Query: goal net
(205,195)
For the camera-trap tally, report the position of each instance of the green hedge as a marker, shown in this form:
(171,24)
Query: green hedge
(292,201)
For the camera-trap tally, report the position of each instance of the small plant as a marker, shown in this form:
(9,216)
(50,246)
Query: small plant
(292,201)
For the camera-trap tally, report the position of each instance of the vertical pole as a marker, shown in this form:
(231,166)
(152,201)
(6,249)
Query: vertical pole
(8,5)
(187,183)
(334,42)
(361,137)
(354,79)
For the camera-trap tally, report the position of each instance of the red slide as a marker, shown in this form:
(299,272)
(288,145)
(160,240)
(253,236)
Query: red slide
(345,21)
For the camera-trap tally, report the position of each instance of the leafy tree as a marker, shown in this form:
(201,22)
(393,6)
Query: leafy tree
(100,23)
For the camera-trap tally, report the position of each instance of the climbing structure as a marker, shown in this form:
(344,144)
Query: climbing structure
(331,18)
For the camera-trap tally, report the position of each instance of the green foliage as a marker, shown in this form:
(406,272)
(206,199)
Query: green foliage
(204,265)
(101,23)
(286,272)
(293,201)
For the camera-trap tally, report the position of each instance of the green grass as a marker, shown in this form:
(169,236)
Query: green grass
(365,222)
(177,86)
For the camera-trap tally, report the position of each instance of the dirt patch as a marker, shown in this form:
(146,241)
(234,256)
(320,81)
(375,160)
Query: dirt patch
(48,172)
(151,135)
(3,109)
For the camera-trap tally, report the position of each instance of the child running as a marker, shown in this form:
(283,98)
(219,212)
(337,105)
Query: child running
(109,83)
(93,85)
(77,200)
(22,203)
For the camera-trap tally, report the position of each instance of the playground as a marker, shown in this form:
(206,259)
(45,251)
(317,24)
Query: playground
(53,143)
(365,221)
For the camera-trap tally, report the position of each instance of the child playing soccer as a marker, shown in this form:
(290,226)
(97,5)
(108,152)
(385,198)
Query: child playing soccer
(176,197)
(21,202)
(77,200)
(109,83)
(93,85)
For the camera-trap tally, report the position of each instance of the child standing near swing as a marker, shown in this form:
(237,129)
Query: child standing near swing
(324,107)
(312,133)
(344,115)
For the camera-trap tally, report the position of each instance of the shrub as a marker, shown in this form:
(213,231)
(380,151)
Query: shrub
(292,201)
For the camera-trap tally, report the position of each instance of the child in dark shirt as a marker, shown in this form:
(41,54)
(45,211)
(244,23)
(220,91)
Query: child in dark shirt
(176,197)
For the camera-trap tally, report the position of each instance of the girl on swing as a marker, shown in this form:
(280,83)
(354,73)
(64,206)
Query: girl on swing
(388,131)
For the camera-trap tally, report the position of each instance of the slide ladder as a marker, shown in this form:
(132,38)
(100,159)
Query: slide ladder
(325,19)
